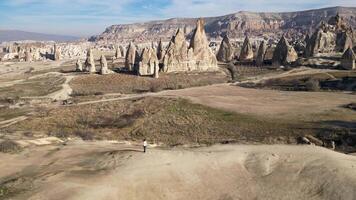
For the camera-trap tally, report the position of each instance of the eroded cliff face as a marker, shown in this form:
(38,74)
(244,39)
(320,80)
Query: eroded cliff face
(234,25)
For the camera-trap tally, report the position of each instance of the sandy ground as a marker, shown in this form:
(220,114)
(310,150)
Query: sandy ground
(102,170)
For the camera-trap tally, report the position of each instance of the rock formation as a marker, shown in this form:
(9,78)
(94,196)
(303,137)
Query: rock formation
(90,62)
(205,60)
(176,57)
(148,62)
(79,66)
(118,53)
(334,36)
(104,66)
(198,57)
(56,53)
(28,56)
(344,40)
(320,42)
(284,54)
(226,51)
(130,57)
(246,53)
(123,51)
(348,60)
(261,54)
(160,51)
(156,74)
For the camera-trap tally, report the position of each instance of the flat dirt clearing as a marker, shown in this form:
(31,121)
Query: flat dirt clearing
(102,170)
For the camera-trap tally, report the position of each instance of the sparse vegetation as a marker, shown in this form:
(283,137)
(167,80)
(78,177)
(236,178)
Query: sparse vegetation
(9,146)
(314,81)
(170,121)
(32,87)
(312,85)
(127,84)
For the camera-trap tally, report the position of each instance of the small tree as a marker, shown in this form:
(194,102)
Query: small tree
(312,85)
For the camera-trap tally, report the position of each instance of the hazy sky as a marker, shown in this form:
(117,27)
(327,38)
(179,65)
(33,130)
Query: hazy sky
(88,17)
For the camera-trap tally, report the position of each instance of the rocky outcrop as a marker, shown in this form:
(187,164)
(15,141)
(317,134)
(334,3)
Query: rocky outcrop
(56,53)
(104,66)
(246,53)
(78,66)
(261,54)
(334,36)
(156,74)
(348,60)
(123,51)
(118,53)
(198,57)
(90,62)
(322,41)
(234,25)
(160,51)
(204,58)
(176,57)
(226,51)
(344,40)
(130,57)
(284,54)
(148,62)
(28,56)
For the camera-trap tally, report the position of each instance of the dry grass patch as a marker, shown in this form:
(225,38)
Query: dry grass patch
(40,86)
(128,84)
(170,121)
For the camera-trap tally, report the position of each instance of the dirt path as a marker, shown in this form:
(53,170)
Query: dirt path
(101,170)
(7,123)
(65,92)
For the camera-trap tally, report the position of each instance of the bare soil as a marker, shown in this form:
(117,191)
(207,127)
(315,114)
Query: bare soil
(102,170)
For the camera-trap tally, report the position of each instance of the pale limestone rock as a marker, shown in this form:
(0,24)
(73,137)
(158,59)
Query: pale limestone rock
(160,51)
(348,60)
(56,53)
(28,56)
(246,53)
(204,58)
(123,51)
(156,74)
(148,62)
(284,53)
(90,62)
(130,57)
(118,53)
(176,58)
(104,66)
(261,54)
(226,51)
(344,41)
(79,66)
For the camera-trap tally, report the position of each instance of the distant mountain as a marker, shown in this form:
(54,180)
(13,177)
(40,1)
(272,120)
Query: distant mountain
(15,35)
(261,24)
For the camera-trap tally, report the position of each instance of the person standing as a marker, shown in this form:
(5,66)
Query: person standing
(144,145)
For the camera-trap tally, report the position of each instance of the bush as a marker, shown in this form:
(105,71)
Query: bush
(155,87)
(9,146)
(233,72)
(117,121)
(85,135)
(312,85)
